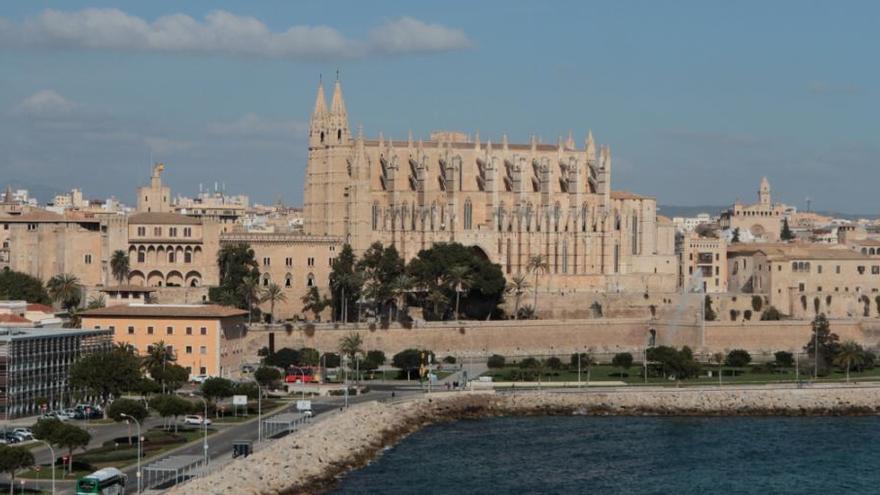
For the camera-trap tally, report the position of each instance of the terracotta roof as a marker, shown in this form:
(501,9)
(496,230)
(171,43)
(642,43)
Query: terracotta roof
(10,318)
(127,288)
(163,218)
(167,311)
(41,307)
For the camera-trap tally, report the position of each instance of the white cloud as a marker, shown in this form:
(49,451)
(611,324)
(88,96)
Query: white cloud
(220,32)
(45,103)
(252,125)
(407,35)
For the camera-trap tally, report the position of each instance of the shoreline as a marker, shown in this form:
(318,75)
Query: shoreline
(312,459)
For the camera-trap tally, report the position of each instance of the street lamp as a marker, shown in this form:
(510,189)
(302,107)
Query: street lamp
(205,425)
(138,423)
(259,410)
(52,453)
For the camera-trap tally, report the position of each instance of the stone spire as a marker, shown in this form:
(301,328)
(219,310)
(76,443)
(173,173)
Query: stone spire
(337,104)
(338,118)
(569,143)
(320,102)
(591,145)
(764,192)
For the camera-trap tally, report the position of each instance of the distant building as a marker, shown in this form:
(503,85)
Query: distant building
(205,339)
(689,224)
(155,198)
(35,364)
(763,220)
(703,264)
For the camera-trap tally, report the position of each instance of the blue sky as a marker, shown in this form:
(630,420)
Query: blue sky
(697,100)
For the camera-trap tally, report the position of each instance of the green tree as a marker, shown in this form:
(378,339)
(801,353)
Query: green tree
(72,438)
(537,265)
(330,360)
(13,460)
(66,289)
(708,312)
(130,407)
(670,362)
(824,342)
(849,355)
(374,359)
(783,359)
(496,361)
(106,373)
(217,388)
(157,358)
(308,357)
(119,266)
(429,271)
(380,266)
(400,287)
(283,358)
(351,345)
(251,293)
(459,279)
(267,376)
(553,363)
(518,285)
(273,294)
(738,358)
(96,302)
(622,360)
(786,234)
(171,377)
(314,302)
(345,285)
(409,361)
(236,262)
(771,314)
(22,287)
(174,406)
(45,428)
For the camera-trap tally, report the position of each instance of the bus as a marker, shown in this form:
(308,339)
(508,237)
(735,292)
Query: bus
(303,374)
(107,481)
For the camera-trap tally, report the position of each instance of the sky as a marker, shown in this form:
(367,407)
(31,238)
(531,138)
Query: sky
(697,99)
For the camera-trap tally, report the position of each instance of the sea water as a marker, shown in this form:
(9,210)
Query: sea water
(610,455)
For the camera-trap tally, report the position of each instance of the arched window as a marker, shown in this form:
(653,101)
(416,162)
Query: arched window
(635,234)
(187,257)
(322,137)
(288,280)
(565,256)
(557,211)
(141,256)
(339,135)
(468,215)
(171,256)
(310,280)
(266,279)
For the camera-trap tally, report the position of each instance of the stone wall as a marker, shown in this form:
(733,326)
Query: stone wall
(562,337)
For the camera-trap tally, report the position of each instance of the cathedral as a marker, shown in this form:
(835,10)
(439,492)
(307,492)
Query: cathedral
(509,201)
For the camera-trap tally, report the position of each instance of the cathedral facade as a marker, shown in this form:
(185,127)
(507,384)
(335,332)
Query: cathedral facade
(510,201)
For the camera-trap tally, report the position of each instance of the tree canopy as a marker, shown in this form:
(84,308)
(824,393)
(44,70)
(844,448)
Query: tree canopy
(106,373)
(217,388)
(236,263)
(14,459)
(22,287)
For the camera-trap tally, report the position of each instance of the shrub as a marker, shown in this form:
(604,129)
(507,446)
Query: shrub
(708,312)
(738,358)
(528,363)
(449,359)
(784,359)
(496,361)
(330,360)
(771,314)
(553,363)
(622,360)
(734,314)
(757,303)
(747,314)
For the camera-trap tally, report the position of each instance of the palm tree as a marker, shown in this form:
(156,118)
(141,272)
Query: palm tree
(351,345)
(157,355)
(250,288)
(436,298)
(273,293)
(65,288)
(342,282)
(849,355)
(459,279)
(125,348)
(119,265)
(537,264)
(400,287)
(96,302)
(517,286)
(314,302)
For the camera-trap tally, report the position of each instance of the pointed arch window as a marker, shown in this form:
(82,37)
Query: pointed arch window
(375,216)
(468,214)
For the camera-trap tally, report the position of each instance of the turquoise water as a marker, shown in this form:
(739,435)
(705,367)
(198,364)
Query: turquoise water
(610,455)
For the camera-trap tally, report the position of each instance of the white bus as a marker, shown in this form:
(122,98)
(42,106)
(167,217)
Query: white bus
(107,481)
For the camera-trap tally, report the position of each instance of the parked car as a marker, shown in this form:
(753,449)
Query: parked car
(11,438)
(199,378)
(24,432)
(196,420)
(59,415)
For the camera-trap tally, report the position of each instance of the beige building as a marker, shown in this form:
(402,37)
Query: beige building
(156,197)
(294,262)
(798,278)
(703,262)
(206,339)
(172,250)
(510,201)
(763,220)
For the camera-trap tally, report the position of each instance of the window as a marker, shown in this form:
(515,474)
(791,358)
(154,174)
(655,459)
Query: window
(87,259)
(875,270)
(203,331)
(157,231)
(311,261)
(131,330)
(171,256)
(142,231)
(468,215)
(819,268)
(189,330)
(187,232)
(189,349)
(169,330)
(172,232)
(288,262)
(141,257)
(203,370)
(288,280)
(801,287)
(837,269)
(187,257)
(203,349)
(267,261)
(310,281)
(861,270)
(149,330)
(32,227)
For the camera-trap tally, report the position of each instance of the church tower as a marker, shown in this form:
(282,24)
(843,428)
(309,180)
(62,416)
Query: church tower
(764,192)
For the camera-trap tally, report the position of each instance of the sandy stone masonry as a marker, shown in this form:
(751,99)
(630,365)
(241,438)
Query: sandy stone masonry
(309,461)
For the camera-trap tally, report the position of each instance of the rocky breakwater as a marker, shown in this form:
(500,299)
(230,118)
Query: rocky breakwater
(310,460)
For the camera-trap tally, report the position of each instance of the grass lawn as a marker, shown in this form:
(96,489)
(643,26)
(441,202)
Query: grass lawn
(746,375)
(121,454)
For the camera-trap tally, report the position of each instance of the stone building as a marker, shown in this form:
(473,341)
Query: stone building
(763,220)
(704,263)
(295,262)
(510,201)
(172,250)
(799,278)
